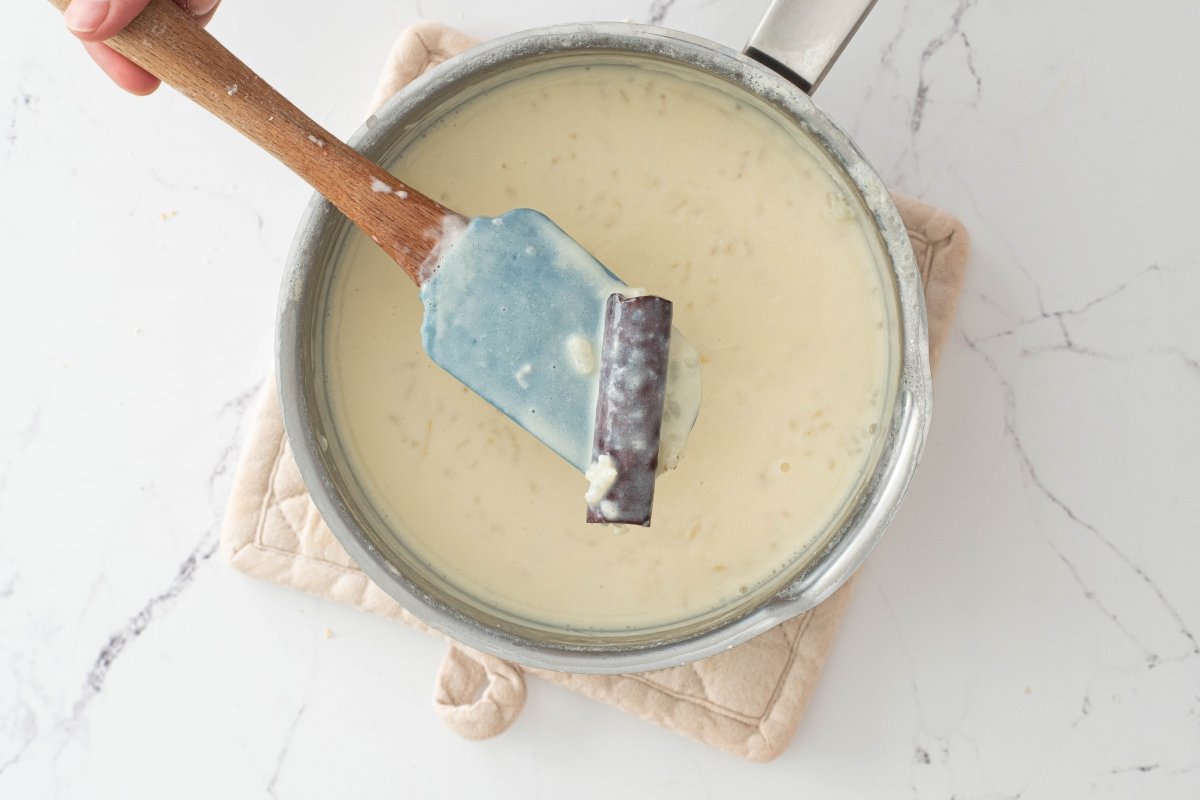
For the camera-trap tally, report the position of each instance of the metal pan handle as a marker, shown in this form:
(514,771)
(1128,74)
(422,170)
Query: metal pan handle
(800,39)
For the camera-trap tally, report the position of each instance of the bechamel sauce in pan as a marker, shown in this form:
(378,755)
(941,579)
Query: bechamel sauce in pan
(679,187)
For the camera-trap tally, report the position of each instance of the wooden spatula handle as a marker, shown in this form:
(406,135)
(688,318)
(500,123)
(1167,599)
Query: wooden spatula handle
(165,41)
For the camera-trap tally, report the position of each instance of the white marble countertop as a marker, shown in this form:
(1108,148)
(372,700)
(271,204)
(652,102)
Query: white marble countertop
(1028,628)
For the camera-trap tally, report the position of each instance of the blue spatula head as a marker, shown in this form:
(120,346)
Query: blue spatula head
(514,308)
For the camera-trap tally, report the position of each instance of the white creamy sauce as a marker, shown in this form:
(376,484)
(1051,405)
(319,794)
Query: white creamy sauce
(682,189)
(601,477)
(582,354)
(383,187)
(522,375)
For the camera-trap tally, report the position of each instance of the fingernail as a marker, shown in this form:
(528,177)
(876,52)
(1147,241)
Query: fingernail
(198,8)
(85,16)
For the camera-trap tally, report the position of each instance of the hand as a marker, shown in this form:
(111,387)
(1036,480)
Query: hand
(93,21)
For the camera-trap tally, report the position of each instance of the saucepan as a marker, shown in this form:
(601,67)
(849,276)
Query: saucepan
(785,61)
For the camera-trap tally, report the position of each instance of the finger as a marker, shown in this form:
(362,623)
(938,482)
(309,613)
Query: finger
(97,20)
(128,75)
(202,10)
(125,73)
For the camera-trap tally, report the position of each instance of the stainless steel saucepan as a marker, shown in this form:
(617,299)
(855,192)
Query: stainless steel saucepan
(784,62)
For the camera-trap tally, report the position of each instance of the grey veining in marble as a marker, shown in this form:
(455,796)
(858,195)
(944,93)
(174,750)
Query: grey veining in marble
(1028,628)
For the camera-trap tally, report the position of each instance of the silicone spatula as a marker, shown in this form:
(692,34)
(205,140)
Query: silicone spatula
(514,307)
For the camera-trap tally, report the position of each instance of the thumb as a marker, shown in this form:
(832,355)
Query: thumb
(97,20)
(94,21)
